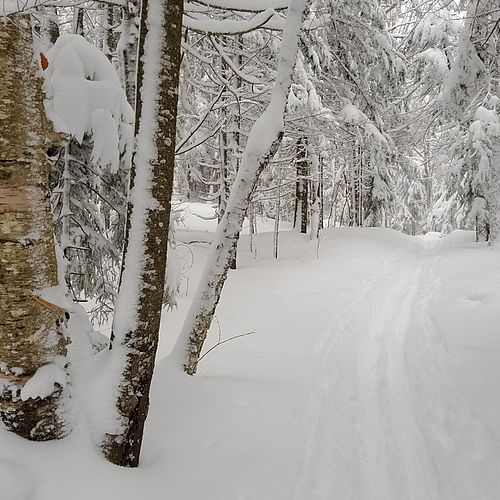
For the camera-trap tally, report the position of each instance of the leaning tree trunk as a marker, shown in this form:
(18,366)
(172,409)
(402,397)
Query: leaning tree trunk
(138,309)
(263,142)
(32,339)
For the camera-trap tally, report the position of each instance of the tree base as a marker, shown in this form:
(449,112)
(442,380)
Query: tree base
(34,419)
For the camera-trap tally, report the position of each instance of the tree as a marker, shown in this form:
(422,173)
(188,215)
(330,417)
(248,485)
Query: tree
(32,329)
(263,142)
(472,98)
(138,309)
(301,187)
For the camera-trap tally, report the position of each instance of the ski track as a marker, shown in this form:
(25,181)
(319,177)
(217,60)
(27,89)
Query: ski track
(384,418)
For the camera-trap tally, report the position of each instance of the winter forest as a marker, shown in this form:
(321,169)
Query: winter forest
(249,249)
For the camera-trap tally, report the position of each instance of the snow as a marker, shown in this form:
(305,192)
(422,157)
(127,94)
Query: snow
(205,24)
(84,96)
(353,116)
(43,383)
(15,481)
(372,374)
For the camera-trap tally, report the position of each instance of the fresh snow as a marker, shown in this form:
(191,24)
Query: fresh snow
(371,375)
(84,96)
(43,382)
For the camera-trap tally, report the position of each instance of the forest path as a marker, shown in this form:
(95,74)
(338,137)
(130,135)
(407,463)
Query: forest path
(385,418)
(372,375)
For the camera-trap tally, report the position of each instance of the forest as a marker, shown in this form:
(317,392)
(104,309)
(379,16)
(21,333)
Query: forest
(249,249)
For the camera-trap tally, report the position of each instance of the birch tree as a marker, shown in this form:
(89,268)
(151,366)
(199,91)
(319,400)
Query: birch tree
(32,337)
(263,142)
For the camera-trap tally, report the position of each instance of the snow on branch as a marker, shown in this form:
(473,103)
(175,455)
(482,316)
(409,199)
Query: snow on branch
(243,5)
(84,96)
(244,76)
(353,116)
(8,7)
(206,25)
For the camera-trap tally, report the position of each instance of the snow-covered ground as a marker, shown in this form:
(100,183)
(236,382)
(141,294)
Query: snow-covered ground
(371,374)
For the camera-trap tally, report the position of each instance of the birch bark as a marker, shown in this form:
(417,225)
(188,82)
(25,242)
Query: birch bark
(32,338)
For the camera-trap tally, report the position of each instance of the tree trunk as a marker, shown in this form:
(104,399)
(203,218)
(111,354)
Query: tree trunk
(138,309)
(127,48)
(302,187)
(315,197)
(32,340)
(263,142)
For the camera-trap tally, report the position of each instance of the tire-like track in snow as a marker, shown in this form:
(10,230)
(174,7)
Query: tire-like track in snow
(384,418)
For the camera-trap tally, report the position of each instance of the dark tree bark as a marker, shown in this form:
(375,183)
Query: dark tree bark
(138,311)
(302,187)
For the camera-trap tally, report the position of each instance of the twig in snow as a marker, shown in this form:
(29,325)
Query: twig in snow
(220,342)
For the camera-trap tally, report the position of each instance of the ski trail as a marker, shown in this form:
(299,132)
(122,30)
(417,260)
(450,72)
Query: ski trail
(463,451)
(394,459)
(330,465)
(385,419)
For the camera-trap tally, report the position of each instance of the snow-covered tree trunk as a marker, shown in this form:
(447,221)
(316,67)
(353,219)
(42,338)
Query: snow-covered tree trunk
(138,309)
(32,340)
(301,187)
(127,48)
(315,197)
(263,142)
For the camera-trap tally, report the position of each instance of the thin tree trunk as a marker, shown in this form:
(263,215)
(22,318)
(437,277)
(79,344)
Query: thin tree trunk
(277,214)
(263,142)
(138,309)
(32,339)
(77,27)
(315,197)
(127,48)
(321,193)
(302,187)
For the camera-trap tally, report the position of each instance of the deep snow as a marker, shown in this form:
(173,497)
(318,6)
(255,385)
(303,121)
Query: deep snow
(372,375)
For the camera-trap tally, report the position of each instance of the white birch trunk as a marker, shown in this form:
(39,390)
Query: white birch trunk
(32,338)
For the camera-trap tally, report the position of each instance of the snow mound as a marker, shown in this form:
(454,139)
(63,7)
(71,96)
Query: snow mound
(43,383)
(84,96)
